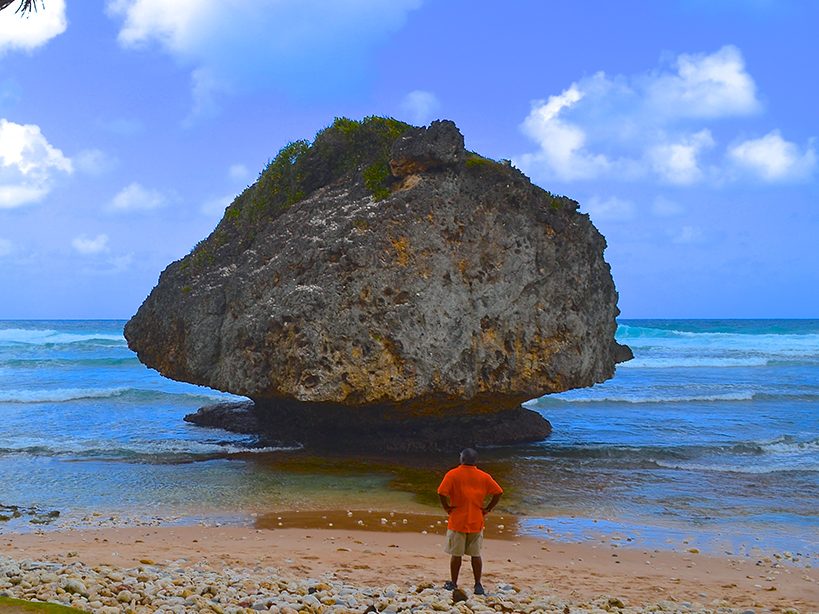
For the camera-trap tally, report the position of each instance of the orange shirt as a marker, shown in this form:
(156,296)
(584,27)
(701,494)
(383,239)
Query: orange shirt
(467,488)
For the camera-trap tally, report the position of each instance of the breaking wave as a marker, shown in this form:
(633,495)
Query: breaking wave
(647,362)
(151,453)
(637,399)
(66,395)
(781,454)
(47,336)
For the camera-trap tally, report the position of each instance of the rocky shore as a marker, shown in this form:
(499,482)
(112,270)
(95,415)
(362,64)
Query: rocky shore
(205,589)
(33,515)
(231,570)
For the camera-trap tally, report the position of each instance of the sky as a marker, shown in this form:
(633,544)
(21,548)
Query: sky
(686,129)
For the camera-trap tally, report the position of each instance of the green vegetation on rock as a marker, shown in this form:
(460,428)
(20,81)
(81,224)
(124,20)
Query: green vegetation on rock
(18,606)
(562,202)
(346,147)
(281,181)
(376,177)
(477,161)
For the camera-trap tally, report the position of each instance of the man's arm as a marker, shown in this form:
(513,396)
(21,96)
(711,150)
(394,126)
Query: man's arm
(445,503)
(492,503)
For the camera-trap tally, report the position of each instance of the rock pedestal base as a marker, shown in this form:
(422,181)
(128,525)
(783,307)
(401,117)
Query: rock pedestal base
(372,429)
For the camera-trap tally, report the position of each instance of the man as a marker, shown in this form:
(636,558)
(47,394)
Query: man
(463,494)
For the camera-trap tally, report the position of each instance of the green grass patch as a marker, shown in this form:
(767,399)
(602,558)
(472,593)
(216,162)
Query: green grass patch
(301,167)
(476,161)
(18,606)
(376,177)
(347,147)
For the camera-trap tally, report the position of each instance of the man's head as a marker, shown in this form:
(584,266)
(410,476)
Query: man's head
(469,456)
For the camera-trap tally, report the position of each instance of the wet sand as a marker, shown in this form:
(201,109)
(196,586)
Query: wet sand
(377,549)
(498,526)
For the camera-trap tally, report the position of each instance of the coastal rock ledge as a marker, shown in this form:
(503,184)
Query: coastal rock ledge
(384,288)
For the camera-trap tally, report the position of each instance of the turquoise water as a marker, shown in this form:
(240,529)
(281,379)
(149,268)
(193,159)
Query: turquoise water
(713,427)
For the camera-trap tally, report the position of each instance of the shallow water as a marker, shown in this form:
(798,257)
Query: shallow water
(713,427)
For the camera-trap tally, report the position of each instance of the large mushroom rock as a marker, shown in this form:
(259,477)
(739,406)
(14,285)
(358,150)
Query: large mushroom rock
(385,276)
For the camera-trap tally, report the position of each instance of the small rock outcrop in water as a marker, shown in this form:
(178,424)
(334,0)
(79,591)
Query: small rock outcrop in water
(385,281)
(32,514)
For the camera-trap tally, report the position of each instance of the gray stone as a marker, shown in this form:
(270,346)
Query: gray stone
(75,585)
(423,149)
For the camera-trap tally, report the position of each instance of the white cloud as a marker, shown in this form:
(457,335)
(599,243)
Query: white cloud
(773,159)
(688,234)
(562,143)
(18,32)
(705,85)
(12,196)
(87,245)
(6,247)
(109,266)
(119,264)
(678,162)
(612,208)
(173,24)
(238,172)
(94,162)
(420,106)
(298,46)
(639,126)
(28,163)
(206,88)
(135,197)
(663,207)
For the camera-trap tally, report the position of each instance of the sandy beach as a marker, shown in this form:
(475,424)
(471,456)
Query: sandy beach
(395,568)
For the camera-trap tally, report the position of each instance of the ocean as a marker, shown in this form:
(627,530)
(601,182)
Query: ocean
(710,434)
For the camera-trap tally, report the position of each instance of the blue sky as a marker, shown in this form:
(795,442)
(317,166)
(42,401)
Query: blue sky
(686,129)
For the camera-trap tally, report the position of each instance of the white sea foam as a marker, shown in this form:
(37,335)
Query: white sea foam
(148,451)
(788,446)
(755,468)
(781,454)
(714,347)
(634,331)
(666,349)
(59,395)
(65,395)
(573,397)
(648,362)
(45,336)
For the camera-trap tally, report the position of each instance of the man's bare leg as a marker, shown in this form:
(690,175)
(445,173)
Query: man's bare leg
(454,568)
(477,568)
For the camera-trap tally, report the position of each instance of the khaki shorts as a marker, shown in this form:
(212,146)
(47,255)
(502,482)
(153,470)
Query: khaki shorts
(459,544)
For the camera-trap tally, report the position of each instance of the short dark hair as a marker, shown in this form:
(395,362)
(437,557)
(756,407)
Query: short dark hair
(469,456)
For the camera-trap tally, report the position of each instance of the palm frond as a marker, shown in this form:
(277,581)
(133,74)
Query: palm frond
(26,6)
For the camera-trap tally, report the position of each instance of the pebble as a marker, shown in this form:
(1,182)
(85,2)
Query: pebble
(72,585)
(181,587)
(125,596)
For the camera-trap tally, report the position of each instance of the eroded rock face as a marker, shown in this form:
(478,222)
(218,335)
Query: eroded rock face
(465,290)
(420,150)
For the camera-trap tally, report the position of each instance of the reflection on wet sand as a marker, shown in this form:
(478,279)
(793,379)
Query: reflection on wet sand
(418,476)
(498,526)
